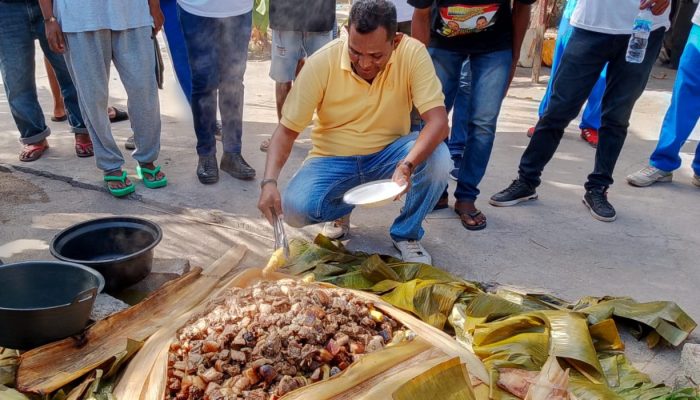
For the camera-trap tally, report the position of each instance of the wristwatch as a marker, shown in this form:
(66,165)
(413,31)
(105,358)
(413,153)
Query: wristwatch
(409,164)
(50,19)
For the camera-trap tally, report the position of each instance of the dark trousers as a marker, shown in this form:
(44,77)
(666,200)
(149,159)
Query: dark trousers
(584,58)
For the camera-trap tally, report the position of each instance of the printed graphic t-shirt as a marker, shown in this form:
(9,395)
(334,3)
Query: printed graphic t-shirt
(302,16)
(470,26)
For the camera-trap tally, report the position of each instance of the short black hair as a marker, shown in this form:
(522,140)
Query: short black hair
(368,15)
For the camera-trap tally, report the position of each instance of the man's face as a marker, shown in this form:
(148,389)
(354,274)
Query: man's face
(370,52)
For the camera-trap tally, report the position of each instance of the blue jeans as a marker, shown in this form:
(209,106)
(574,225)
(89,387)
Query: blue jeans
(315,193)
(591,114)
(684,111)
(583,60)
(460,119)
(176,44)
(21,23)
(217,49)
(489,80)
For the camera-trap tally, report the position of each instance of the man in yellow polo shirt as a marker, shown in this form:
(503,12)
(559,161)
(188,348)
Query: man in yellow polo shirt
(362,89)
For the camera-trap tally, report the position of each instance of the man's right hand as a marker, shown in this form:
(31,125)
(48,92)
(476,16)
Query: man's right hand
(54,35)
(270,199)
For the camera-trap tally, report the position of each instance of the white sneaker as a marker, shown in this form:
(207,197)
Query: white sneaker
(696,180)
(337,229)
(413,251)
(649,175)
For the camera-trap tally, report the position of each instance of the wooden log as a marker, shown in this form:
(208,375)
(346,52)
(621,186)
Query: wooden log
(50,367)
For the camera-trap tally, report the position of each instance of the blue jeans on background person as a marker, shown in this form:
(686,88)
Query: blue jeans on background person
(458,131)
(217,50)
(489,80)
(315,193)
(591,114)
(582,62)
(21,23)
(684,112)
(176,45)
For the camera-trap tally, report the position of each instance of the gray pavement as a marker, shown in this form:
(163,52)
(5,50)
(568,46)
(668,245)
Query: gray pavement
(551,245)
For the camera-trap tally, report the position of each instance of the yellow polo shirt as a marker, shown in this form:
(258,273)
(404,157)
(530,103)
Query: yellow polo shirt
(354,117)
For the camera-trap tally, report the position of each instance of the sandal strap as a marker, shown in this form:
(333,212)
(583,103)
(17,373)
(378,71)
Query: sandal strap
(153,172)
(114,178)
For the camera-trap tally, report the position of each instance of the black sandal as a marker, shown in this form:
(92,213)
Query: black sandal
(119,115)
(472,215)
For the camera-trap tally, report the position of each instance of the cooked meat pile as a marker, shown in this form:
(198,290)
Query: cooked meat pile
(264,341)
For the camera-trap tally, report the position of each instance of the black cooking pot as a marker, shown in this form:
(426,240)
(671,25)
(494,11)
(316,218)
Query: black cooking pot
(44,301)
(120,248)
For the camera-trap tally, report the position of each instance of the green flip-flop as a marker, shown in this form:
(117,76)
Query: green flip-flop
(151,184)
(119,192)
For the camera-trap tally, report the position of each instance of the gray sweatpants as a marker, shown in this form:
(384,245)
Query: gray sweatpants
(89,55)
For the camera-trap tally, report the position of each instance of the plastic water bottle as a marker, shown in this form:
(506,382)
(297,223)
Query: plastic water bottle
(637,47)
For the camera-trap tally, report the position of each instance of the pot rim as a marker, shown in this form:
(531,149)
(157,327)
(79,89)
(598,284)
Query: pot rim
(92,271)
(97,221)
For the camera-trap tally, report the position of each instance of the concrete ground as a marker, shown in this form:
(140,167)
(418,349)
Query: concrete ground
(552,244)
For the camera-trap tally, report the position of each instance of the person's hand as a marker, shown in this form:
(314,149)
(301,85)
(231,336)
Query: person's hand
(158,18)
(402,176)
(270,199)
(54,35)
(657,6)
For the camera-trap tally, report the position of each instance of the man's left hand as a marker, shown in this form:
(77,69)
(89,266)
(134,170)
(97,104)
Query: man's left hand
(158,19)
(402,176)
(658,7)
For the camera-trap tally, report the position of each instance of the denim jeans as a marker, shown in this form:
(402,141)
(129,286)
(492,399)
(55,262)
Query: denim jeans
(315,193)
(176,44)
(684,112)
(591,114)
(89,56)
(489,80)
(21,23)
(583,60)
(460,117)
(217,49)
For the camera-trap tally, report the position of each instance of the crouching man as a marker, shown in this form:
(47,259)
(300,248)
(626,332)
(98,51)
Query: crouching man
(362,89)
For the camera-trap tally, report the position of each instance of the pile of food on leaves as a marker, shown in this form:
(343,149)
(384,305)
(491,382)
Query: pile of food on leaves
(269,339)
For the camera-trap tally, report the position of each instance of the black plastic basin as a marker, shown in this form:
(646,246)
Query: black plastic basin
(45,301)
(120,248)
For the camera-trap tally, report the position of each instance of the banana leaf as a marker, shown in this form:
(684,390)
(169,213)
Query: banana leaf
(9,359)
(7,393)
(430,300)
(606,336)
(665,317)
(431,384)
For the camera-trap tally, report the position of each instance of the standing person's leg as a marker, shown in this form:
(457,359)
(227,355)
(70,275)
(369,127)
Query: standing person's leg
(176,44)
(287,50)
(17,68)
(625,83)
(233,55)
(132,51)
(490,73)
(88,57)
(584,58)
(458,132)
(684,112)
(59,110)
(203,54)
(593,109)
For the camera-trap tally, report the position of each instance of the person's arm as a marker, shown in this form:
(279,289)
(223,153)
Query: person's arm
(521,20)
(157,14)
(54,34)
(420,25)
(277,155)
(434,132)
(658,7)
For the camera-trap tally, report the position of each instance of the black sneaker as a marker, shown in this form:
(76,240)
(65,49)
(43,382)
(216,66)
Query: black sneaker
(236,166)
(597,201)
(207,171)
(517,192)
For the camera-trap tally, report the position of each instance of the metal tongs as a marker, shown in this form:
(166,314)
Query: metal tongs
(280,236)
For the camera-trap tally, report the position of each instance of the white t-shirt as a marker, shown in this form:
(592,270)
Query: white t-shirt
(404,12)
(615,17)
(696,17)
(216,8)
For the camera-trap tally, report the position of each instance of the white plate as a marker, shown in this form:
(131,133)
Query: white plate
(374,194)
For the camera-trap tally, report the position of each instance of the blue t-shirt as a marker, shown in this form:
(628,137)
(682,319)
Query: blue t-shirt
(94,15)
